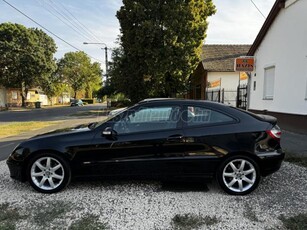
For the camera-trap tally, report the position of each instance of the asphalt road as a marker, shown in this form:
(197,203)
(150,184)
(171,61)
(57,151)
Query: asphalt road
(46,114)
(49,114)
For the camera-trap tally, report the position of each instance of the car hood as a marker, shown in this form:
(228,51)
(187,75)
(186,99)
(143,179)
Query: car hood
(64,131)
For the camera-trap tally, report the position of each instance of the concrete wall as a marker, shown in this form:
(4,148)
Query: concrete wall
(285,47)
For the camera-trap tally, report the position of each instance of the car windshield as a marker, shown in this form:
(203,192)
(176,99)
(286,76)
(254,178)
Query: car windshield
(94,125)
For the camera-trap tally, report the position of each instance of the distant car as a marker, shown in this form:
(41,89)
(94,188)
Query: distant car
(76,102)
(157,139)
(116,111)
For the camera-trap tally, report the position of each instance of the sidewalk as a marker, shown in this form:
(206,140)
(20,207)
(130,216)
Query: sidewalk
(294,143)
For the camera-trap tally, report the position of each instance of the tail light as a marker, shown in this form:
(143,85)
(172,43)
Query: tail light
(275,132)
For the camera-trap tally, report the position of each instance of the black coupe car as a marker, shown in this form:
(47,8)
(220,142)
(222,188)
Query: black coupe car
(157,138)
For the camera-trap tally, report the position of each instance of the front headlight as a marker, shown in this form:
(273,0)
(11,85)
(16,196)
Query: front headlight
(18,153)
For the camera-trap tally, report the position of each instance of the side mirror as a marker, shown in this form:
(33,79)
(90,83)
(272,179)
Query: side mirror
(109,132)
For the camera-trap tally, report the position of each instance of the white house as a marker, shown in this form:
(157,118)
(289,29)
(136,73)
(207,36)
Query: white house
(216,72)
(278,85)
(218,61)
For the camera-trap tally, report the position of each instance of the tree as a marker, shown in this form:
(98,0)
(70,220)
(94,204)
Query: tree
(54,85)
(94,80)
(76,70)
(161,45)
(26,57)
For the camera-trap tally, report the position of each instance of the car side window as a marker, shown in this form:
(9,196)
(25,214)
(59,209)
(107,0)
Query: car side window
(199,116)
(148,119)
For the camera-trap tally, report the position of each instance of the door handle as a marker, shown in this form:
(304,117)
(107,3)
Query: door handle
(176,137)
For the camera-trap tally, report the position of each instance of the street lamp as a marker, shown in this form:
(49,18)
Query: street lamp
(106,54)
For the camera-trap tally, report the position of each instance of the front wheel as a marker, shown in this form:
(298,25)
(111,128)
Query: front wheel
(238,175)
(48,173)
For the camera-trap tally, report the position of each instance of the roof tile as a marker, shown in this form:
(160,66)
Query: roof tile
(220,58)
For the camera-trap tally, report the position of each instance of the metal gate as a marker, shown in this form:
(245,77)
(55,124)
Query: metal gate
(233,97)
(242,97)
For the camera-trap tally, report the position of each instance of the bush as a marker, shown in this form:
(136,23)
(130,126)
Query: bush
(88,100)
(121,103)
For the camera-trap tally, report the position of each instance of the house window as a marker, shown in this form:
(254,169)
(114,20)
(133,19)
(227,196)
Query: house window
(269,79)
(14,95)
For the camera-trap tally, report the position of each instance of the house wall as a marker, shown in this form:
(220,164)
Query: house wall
(285,47)
(2,97)
(230,80)
(33,96)
(13,97)
(43,99)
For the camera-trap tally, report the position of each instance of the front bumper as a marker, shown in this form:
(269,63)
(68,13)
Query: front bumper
(16,170)
(270,162)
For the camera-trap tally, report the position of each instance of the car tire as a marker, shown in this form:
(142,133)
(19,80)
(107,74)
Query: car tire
(48,173)
(238,175)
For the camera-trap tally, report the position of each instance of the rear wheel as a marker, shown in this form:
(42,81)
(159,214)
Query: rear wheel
(238,175)
(48,173)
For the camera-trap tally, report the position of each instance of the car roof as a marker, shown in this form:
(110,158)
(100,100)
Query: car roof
(152,100)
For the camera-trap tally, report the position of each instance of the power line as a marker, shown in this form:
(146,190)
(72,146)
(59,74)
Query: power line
(66,18)
(55,15)
(80,23)
(258,9)
(46,28)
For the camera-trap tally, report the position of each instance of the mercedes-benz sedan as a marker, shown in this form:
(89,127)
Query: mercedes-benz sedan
(157,138)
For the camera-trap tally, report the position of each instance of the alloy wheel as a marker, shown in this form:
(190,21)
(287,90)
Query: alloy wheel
(239,175)
(47,173)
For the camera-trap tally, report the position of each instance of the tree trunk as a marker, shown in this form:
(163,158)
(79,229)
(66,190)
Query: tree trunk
(24,92)
(75,94)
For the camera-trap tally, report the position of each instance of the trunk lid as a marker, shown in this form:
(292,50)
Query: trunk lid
(267,118)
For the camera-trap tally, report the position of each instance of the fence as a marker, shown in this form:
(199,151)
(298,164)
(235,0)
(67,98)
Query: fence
(237,98)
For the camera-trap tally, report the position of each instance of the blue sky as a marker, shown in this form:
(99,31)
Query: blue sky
(236,21)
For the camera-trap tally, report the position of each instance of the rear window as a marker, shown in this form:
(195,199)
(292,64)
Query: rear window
(200,115)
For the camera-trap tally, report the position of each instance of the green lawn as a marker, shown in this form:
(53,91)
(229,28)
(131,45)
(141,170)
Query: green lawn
(15,128)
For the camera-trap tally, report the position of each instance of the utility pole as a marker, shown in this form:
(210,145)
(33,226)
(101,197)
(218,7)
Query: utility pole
(107,64)
(106,55)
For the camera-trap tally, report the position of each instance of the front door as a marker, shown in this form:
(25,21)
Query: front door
(146,140)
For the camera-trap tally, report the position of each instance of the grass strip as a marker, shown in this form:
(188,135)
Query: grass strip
(88,222)
(191,221)
(298,222)
(9,217)
(15,128)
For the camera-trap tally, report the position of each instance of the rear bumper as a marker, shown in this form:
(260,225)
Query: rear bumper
(16,170)
(270,162)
